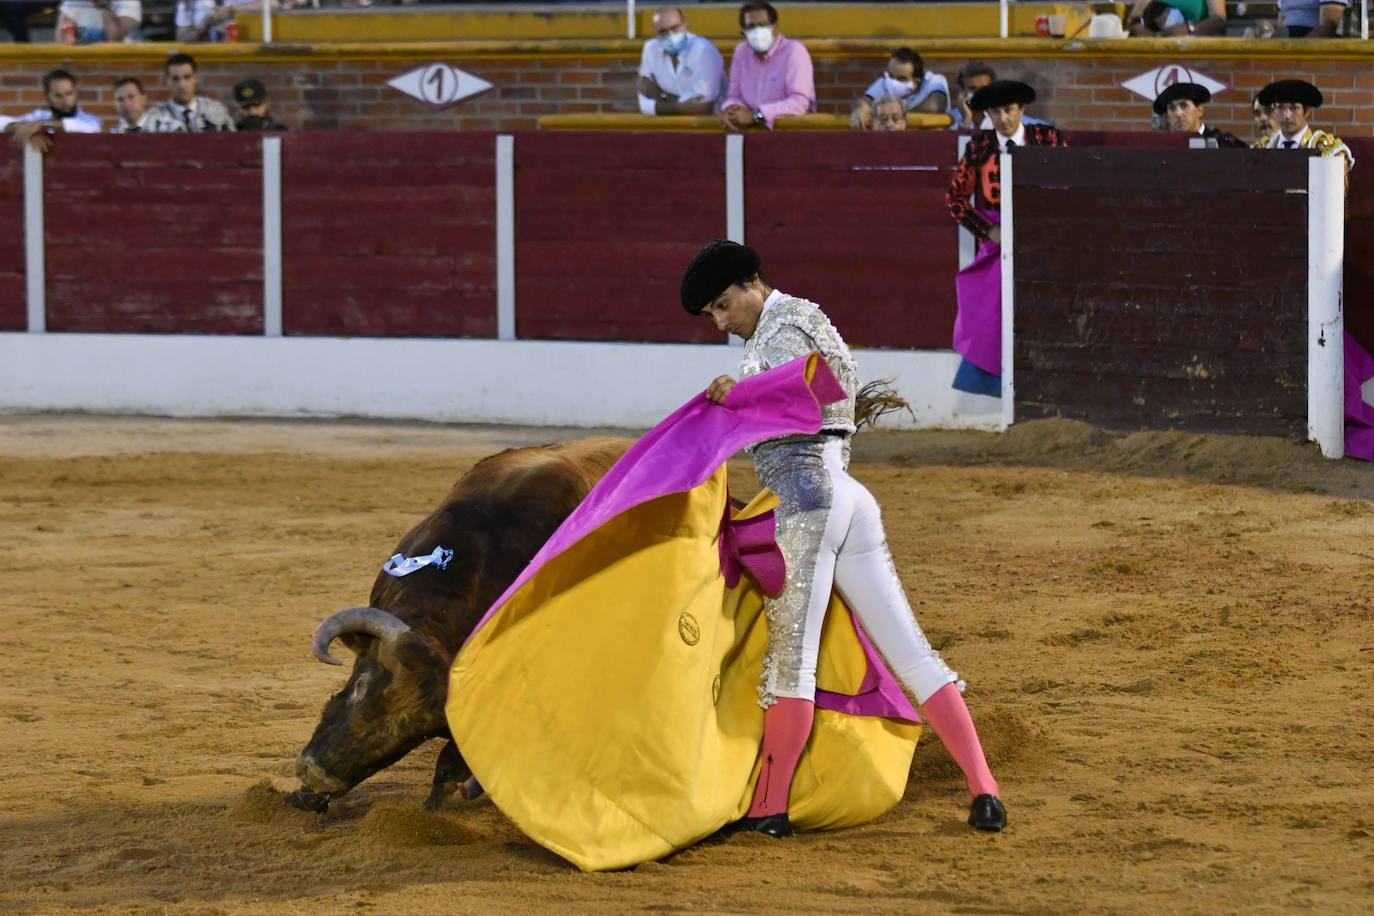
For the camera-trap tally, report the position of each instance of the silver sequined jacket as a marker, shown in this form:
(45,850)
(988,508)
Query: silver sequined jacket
(793,327)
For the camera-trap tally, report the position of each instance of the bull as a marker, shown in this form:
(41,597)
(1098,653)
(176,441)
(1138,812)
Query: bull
(495,519)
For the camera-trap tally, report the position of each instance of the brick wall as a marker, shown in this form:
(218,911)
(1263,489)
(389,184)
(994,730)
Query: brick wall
(344,87)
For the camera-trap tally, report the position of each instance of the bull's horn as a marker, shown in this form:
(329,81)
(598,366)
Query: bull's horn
(375,622)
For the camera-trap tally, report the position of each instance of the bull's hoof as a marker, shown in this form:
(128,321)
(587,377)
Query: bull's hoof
(306,800)
(471,788)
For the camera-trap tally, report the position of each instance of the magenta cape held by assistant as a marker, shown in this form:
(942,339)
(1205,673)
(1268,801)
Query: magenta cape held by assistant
(686,449)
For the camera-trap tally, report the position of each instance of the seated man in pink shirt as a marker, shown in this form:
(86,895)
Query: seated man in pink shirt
(770,74)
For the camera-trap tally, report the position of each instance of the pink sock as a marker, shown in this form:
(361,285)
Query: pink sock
(786,728)
(947,714)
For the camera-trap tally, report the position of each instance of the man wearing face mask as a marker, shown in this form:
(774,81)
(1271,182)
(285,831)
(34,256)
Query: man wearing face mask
(61,114)
(905,79)
(770,75)
(1182,105)
(974,200)
(679,73)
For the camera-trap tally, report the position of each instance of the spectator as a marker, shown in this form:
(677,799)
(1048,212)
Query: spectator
(1312,18)
(206,20)
(770,75)
(251,97)
(1182,105)
(973,77)
(1293,102)
(185,109)
(679,73)
(16,15)
(974,200)
(61,114)
(132,103)
(1177,17)
(889,114)
(1264,120)
(906,80)
(85,22)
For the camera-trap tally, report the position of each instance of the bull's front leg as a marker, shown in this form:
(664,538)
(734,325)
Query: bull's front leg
(451,774)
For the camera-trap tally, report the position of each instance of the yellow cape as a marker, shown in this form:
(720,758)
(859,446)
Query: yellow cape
(610,706)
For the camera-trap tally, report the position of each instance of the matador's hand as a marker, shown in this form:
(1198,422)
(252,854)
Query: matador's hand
(720,388)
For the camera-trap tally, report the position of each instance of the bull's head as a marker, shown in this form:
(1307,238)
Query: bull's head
(393,702)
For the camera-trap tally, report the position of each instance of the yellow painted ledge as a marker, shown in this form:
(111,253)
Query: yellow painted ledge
(888,21)
(1019,48)
(639,122)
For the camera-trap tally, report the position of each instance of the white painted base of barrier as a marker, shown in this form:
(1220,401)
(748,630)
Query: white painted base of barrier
(536,383)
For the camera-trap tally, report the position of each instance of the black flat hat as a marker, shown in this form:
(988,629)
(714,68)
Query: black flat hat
(1298,92)
(715,267)
(1001,92)
(1198,95)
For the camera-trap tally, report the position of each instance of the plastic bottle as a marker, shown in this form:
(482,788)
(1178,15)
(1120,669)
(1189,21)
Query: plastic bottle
(68,31)
(231,30)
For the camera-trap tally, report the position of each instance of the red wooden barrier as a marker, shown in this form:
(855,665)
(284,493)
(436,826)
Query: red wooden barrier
(605,224)
(857,222)
(1359,246)
(13,312)
(389,234)
(154,233)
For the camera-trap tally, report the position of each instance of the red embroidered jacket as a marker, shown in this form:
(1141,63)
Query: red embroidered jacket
(977,184)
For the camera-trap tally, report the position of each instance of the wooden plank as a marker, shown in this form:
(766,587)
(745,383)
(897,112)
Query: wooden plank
(13,312)
(842,151)
(161,234)
(1159,206)
(1241,170)
(572,151)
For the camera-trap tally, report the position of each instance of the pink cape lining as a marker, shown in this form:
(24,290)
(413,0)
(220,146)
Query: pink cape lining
(1359,416)
(978,321)
(683,451)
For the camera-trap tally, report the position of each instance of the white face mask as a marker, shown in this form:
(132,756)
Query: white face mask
(760,37)
(897,88)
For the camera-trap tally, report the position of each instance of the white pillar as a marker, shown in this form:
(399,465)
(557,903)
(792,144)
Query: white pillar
(35,268)
(630,23)
(271,238)
(734,187)
(968,245)
(267,22)
(1005,16)
(1008,298)
(505,237)
(734,199)
(1325,317)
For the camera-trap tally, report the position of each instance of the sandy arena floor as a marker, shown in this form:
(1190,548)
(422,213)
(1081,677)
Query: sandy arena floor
(1169,642)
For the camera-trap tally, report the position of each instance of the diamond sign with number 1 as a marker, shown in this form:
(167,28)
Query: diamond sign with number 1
(439,85)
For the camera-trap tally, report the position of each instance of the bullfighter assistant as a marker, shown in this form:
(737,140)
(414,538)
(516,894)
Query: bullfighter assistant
(830,532)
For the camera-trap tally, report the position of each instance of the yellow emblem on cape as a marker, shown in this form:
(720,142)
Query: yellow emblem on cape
(687,628)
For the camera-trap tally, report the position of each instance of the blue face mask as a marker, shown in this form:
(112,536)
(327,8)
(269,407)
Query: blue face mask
(673,42)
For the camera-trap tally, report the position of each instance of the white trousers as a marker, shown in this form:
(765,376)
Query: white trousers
(836,538)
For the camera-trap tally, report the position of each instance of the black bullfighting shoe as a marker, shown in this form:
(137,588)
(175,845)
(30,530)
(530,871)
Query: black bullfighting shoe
(775,825)
(987,813)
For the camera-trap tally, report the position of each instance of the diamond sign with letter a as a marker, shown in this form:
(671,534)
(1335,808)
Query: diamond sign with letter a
(439,85)
(1151,83)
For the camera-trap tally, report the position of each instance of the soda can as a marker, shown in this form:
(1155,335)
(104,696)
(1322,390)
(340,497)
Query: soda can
(1042,25)
(231,31)
(68,31)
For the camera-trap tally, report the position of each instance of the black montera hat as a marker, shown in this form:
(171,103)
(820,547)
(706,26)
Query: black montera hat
(1299,92)
(715,267)
(1001,92)
(1198,95)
